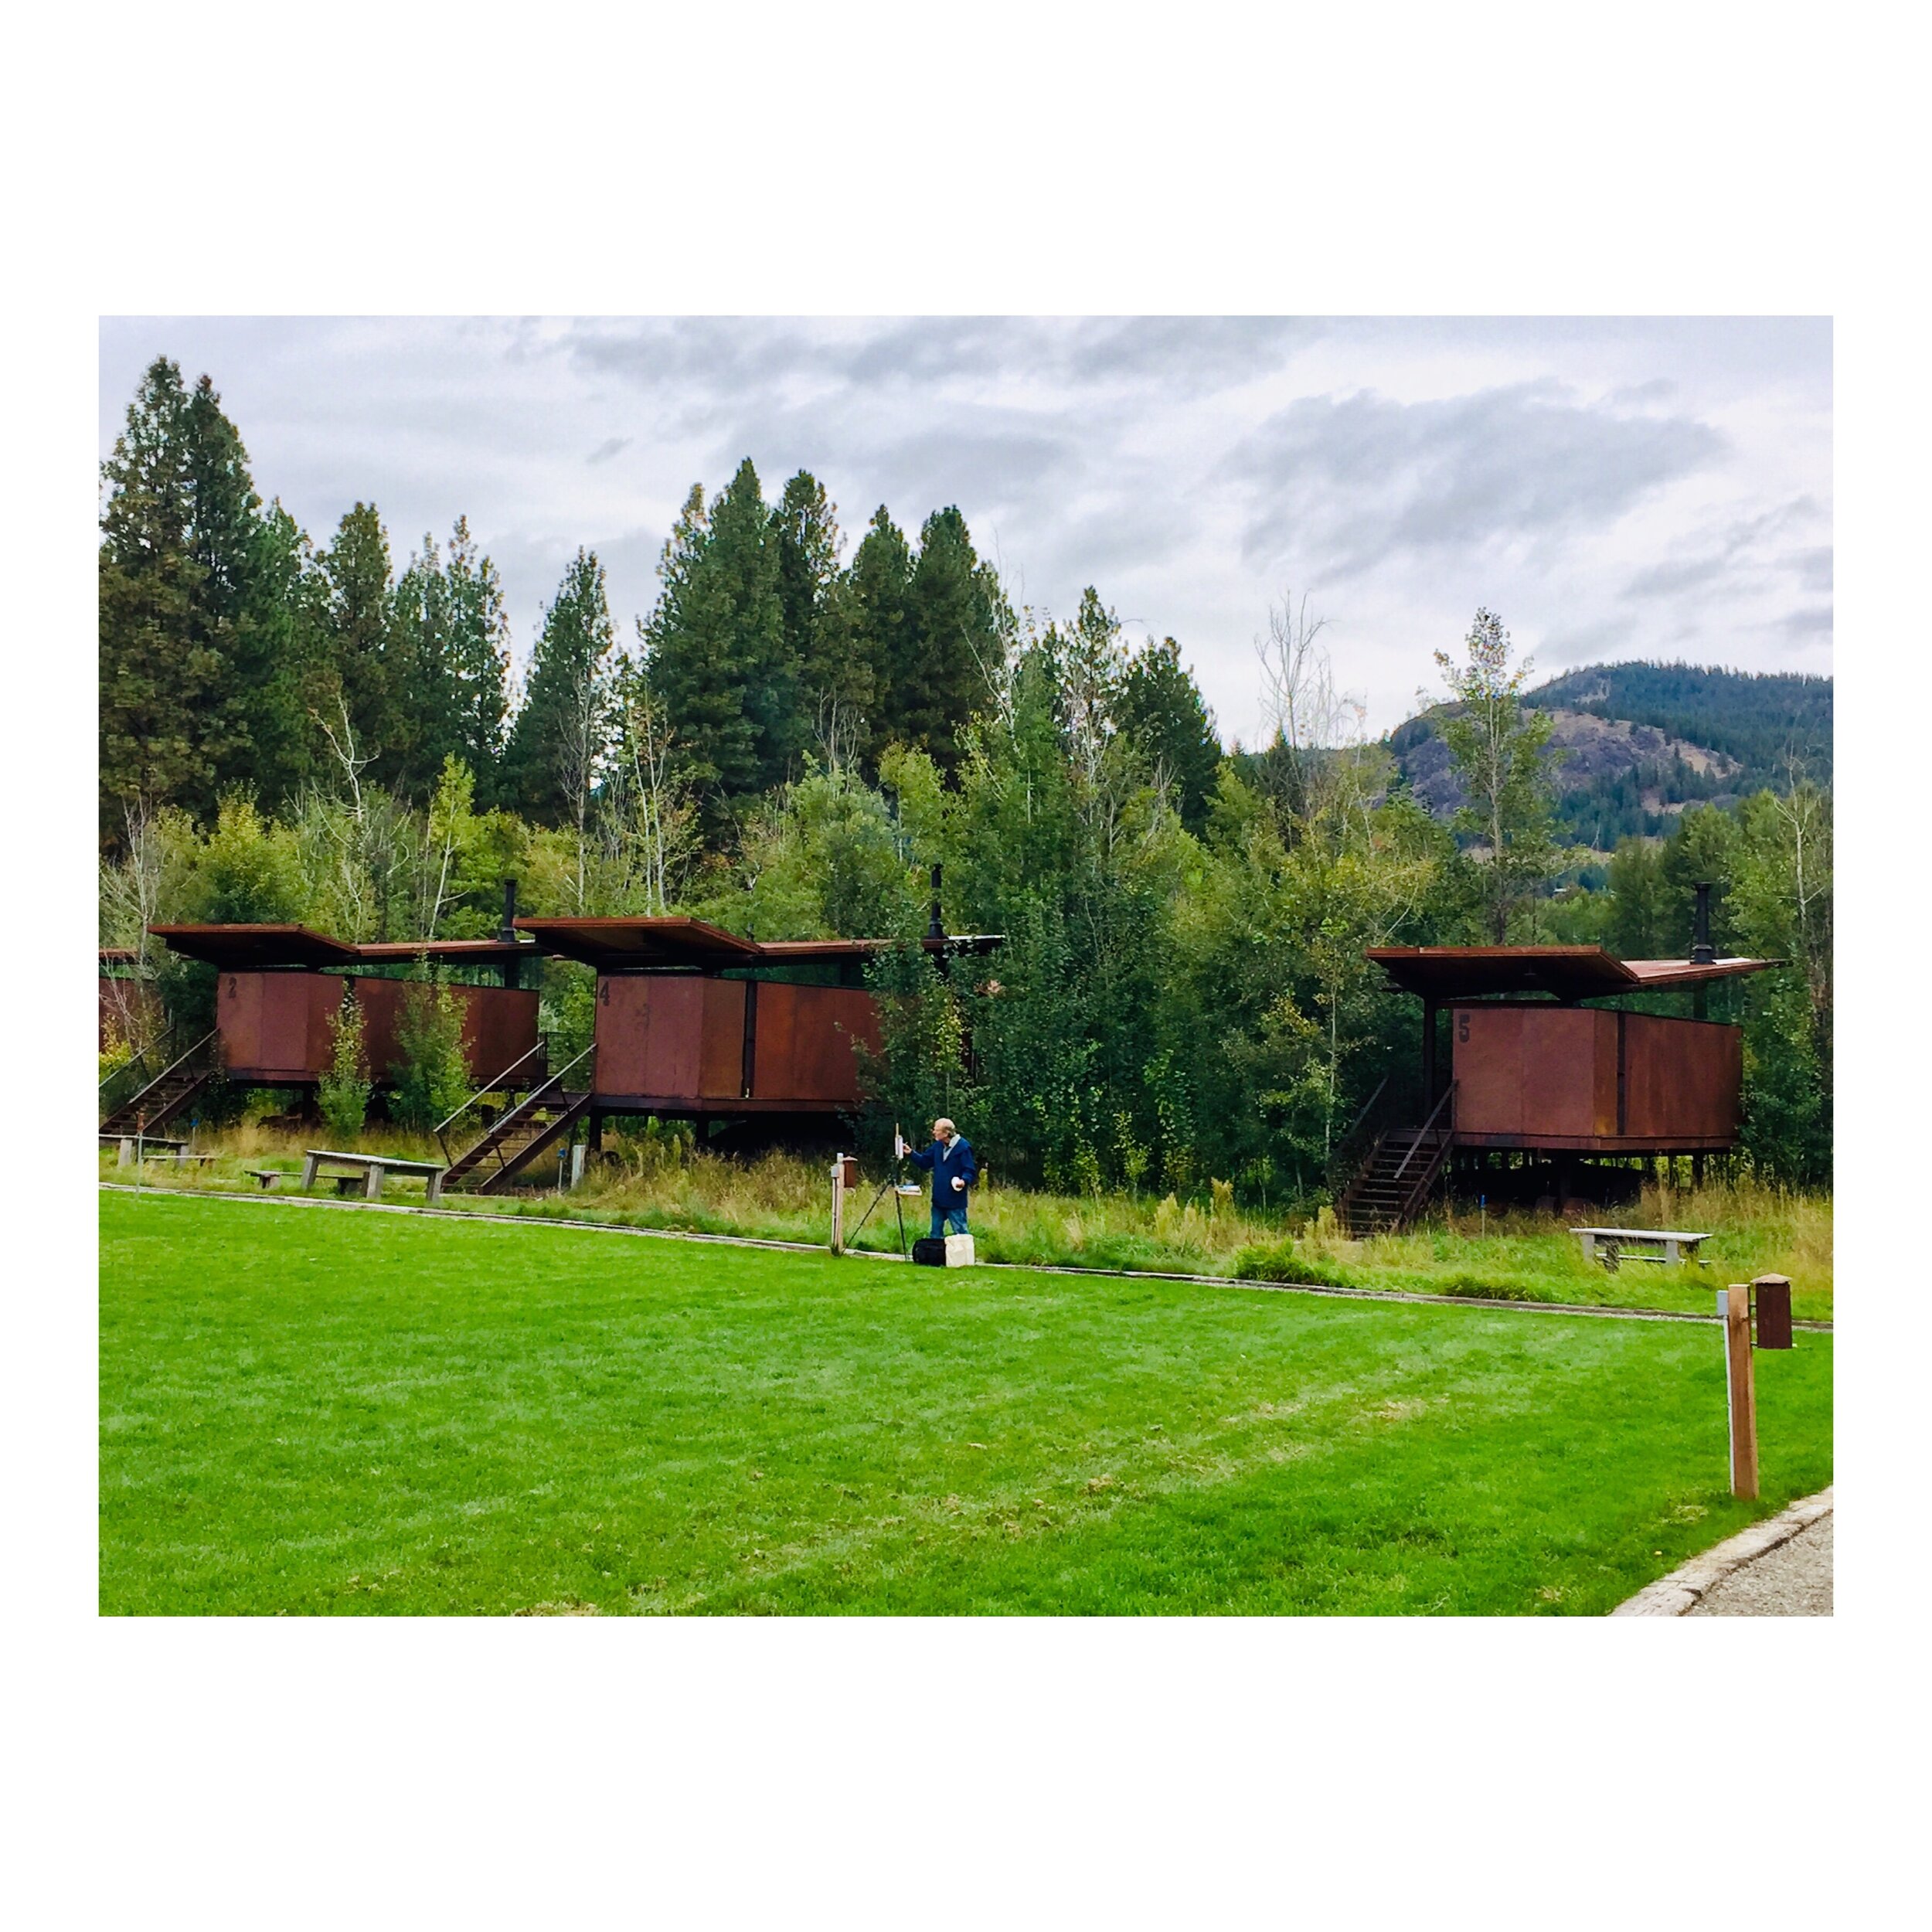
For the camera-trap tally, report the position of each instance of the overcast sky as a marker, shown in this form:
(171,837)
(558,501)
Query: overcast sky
(1613,489)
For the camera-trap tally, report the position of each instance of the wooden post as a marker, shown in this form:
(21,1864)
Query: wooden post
(1734,1304)
(839,1205)
(1428,1056)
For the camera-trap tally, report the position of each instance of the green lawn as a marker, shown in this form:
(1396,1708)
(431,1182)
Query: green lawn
(307,1410)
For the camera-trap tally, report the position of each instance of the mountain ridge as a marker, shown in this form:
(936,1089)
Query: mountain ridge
(1641,740)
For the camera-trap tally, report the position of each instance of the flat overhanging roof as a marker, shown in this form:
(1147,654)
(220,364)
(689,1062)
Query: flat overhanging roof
(454,952)
(244,948)
(239,948)
(1567,972)
(779,949)
(641,945)
(672,945)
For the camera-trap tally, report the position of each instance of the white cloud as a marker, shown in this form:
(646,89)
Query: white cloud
(1613,488)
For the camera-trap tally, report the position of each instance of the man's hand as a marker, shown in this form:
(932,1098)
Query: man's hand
(959,1186)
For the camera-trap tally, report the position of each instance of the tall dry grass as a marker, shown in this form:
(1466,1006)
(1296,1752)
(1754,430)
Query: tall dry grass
(660,1182)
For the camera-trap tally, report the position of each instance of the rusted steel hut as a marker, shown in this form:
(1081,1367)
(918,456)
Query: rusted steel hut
(1538,1068)
(694,1022)
(130,1008)
(280,985)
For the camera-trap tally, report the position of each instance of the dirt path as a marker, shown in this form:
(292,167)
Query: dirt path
(1781,1567)
(1794,1580)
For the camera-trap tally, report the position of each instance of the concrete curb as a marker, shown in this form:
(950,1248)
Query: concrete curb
(1402,1295)
(1686,1585)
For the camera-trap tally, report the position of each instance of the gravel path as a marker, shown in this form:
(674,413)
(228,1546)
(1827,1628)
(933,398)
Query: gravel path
(1794,1580)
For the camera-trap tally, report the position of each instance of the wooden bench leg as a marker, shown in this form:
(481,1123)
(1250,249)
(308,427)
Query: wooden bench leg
(435,1189)
(372,1187)
(126,1158)
(308,1170)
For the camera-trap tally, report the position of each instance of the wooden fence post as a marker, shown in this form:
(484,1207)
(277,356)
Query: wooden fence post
(839,1205)
(1734,1305)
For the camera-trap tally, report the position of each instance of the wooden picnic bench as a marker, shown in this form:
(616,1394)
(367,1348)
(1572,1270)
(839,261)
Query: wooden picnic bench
(125,1142)
(373,1168)
(268,1176)
(1666,1246)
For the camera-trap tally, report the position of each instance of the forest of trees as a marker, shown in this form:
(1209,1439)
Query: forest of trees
(789,739)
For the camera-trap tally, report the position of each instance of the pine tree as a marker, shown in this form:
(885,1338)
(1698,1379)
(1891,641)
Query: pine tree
(224,536)
(740,582)
(1162,713)
(946,677)
(869,625)
(703,702)
(715,647)
(207,631)
(479,655)
(420,648)
(361,713)
(450,649)
(157,682)
(832,702)
(284,667)
(557,743)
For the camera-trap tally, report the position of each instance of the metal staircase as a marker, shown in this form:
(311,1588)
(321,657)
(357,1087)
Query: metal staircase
(545,1116)
(1394,1184)
(152,1107)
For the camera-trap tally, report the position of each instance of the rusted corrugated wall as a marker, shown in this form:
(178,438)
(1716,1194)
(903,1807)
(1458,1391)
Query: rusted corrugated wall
(1561,1076)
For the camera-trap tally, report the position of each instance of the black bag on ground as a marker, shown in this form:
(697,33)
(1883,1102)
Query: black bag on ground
(929,1253)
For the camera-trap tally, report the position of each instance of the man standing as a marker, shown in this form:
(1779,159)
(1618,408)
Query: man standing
(954,1170)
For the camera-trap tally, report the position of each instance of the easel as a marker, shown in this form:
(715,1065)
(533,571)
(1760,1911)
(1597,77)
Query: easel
(839,1237)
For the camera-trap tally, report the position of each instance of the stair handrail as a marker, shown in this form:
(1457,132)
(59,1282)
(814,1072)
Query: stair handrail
(1448,1095)
(543,1087)
(134,1059)
(1355,1125)
(1425,1181)
(489,1086)
(174,1066)
(1340,1151)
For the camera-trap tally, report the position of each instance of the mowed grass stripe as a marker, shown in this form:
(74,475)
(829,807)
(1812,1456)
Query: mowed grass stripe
(319,1413)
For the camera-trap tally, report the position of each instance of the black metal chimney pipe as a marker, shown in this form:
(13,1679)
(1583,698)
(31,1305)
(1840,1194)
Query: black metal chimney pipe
(935,927)
(1703,953)
(507,931)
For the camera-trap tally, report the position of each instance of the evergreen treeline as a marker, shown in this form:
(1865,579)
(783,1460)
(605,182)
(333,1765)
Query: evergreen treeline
(1772,722)
(792,737)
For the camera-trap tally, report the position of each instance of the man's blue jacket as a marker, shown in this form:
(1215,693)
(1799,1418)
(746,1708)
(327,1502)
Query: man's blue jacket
(946,1162)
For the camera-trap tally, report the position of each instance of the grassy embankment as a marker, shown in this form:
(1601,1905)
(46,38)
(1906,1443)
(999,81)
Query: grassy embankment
(1517,1257)
(310,1412)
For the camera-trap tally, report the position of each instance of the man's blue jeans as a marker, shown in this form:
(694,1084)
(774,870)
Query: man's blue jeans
(951,1220)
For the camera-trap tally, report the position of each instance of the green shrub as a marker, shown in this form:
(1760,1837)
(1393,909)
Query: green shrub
(432,1074)
(1278,1261)
(342,1093)
(1479,1288)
